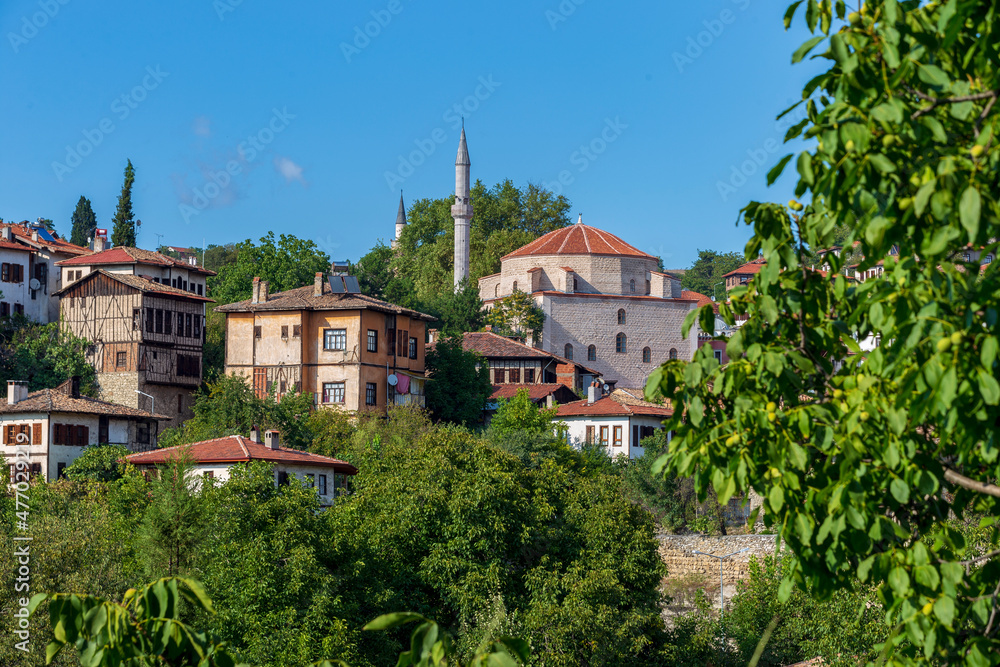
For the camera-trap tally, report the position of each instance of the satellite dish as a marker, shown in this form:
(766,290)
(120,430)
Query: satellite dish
(606,387)
(393,380)
(34,284)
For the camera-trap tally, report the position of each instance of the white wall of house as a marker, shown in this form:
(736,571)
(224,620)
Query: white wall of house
(576,433)
(221,472)
(17,293)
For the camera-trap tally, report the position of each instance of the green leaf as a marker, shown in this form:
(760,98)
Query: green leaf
(803,527)
(989,350)
(936,128)
(882,163)
(387,621)
(969,208)
(696,410)
(689,321)
(888,112)
(899,581)
(803,50)
(927,576)
(923,196)
(727,490)
(865,568)
(776,497)
(900,491)
(944,609)
(805,169)
(790,13)
(933,75)
(785,590)
(989,388)
(775,172)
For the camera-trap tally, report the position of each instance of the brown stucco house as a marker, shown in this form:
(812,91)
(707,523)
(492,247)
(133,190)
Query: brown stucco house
(349,350)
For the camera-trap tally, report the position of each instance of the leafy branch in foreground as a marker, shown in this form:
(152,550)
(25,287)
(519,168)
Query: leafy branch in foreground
(866,415)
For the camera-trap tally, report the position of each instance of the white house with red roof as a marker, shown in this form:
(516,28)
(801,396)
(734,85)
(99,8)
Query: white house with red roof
(216,458)
(152,266)
(29,277)
(606,304)
(618,421)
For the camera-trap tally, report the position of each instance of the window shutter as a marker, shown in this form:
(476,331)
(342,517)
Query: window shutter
(36,433)
(4,434)
(590,434)
(85,435)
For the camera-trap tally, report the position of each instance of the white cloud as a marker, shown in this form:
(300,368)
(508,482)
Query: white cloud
(288,169)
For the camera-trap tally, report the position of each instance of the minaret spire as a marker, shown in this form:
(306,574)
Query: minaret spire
(400,220)
(462,210)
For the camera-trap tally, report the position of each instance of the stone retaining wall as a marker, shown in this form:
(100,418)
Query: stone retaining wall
(677,553)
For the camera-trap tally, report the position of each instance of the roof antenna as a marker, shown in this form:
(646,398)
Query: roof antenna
(463,122)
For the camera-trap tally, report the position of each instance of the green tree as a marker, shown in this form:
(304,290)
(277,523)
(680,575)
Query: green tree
(516,315)
(100,463)
(457,390)
(84,222)
(123,224)
(862,457)
(707,271)
(217,256)
(174,522)
(458,311)
(286,264)
(521,414)
(43,355)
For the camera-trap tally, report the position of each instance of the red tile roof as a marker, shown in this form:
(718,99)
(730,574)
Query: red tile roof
(491,345)
(10,245)
(748,268)
(302,298)
(60,400)
(136,282)
(578,239)
(700,298)
(237,449)
(129,255)
(621,402)
(23,233)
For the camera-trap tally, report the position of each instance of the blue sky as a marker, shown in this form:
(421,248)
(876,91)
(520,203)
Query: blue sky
(245,116)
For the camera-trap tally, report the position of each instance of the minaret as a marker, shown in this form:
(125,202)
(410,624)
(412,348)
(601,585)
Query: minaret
(462,211)
(400,220)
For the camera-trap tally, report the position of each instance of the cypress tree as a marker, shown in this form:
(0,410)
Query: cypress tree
(84,222)
(123,224)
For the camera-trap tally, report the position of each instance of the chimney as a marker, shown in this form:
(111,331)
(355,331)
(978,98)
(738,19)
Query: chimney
(432,335)
(74,391)
(318,284)
(17,391)
(5,233)
(255,434)
(99,243)
(549,401)
(488,328)
(592,393)
(263,291)
(256,291)
(271,440)
(34,235)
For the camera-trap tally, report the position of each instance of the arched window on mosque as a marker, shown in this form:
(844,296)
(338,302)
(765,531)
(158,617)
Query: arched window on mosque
(620,344)
(591,353)
(673,354)
(621,316)
(515,286)
(496,290)
(647,355)
(568,352)
(631,286)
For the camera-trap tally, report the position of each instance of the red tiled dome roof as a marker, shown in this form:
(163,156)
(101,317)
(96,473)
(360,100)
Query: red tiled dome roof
(579,239)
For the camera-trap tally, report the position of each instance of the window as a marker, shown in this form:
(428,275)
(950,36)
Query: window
(61,470)
(188,326)
(391,341)
(334,339)
(371,393)
(256,332)
(321,489)
(372,340)
(499,376)
(121,358)
(621,316)
(589,437)
(515,286)
(496,290)
(333,392)
(621,344)
(403,337)
(988,259)
(718,355)
(199,290)
(515,375)
(591,353)
(529,376)
(390,395)
(197,326)
(142,433)
(4,309)
(568,351)
(5,272)
(631,286)
(168,322)
(647,355)
(19,309)
(136,319)
(673,354)
(210,474)
(576,284)
(180,403)
(149,320)
(159,321)
(282,478)
(413,348)
(618,436)
(648,290)
(180,324)
(282,387)
(284,332)
(296,331)
(604,436)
